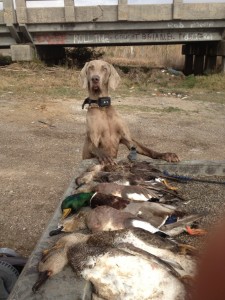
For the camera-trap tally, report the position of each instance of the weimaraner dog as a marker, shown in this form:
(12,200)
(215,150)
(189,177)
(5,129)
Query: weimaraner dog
(105,128)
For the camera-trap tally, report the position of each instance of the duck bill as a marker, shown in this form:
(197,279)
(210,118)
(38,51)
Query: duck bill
(56,231)
(66,212)
(43,276)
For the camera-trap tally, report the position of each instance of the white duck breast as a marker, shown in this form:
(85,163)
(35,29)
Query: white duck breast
(184,264)
(126,277)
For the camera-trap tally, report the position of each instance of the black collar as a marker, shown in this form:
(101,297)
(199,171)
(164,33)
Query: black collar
(101,102)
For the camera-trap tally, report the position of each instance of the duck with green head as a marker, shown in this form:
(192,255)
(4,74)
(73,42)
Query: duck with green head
(73,203)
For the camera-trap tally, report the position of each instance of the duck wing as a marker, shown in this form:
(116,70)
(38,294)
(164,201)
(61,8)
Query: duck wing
(108,199)
(133,192)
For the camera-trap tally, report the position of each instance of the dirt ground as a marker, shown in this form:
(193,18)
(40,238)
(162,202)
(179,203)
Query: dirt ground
(41,141)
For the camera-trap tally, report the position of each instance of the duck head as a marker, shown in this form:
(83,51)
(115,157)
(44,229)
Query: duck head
(72,223)
(55,259)
(74,202)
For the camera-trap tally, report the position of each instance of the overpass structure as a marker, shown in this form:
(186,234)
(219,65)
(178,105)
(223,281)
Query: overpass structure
(39,24)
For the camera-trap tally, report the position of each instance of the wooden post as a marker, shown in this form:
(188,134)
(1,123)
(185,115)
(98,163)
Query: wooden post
(223,65)
(210,63)
(200,50)
(188,63)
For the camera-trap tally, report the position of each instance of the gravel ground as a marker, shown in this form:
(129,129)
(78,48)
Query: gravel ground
(203,198)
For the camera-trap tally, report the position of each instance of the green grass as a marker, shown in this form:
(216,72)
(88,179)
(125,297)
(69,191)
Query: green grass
(38,81)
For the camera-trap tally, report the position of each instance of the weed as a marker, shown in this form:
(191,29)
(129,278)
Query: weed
(189,82)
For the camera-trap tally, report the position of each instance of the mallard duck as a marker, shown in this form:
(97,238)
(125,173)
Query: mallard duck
(121,264)
(74,202)
(148,216)
(155,218)
(166,217)
(104,218)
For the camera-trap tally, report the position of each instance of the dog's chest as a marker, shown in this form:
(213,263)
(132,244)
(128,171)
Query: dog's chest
(105,121)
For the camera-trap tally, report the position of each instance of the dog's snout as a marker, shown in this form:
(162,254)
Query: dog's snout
(95,78)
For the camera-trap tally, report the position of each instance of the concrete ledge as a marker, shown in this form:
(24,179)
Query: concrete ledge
(194,167)
(65,286)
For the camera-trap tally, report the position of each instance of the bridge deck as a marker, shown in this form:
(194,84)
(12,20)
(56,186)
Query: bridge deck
(172,21)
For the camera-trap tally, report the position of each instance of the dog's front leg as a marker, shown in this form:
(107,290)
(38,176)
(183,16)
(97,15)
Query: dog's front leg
(167,156)
(102,156)
(92,149)
(141,149)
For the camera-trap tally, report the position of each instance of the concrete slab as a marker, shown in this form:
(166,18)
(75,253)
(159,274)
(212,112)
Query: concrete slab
(65,286)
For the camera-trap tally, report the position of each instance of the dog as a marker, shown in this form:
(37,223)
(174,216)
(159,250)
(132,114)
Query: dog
(105,128)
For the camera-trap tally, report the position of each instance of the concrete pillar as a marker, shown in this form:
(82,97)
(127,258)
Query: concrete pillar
(122,10)
(177,9)
(21,11)
(69,10)
(9,12)
(23,52)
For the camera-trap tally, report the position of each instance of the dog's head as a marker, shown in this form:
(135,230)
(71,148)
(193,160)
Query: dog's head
(98,76)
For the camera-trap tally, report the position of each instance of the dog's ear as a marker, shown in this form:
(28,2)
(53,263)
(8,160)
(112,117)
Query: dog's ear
(83,77)
(114,78)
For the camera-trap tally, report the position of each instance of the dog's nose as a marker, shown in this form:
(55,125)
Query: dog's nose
(95,78)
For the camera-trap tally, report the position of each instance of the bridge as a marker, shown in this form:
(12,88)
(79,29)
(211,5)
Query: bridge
(198,25)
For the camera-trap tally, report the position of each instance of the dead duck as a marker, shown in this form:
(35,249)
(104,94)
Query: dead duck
(89,174)
(136,192)
(134,264)
(104,218)
(123,173)
(166,217)
(73,203)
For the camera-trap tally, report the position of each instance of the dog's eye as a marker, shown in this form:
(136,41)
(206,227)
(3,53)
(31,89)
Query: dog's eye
(91,67)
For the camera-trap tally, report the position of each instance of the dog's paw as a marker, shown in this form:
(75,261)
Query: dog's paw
(170,157)
(106,160)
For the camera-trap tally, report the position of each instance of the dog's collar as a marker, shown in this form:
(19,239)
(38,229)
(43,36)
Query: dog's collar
(101,102)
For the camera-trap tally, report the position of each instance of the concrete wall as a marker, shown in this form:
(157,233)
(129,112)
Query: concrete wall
(72,12)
